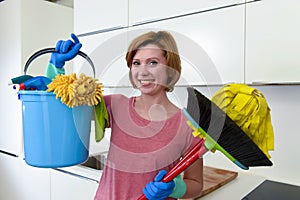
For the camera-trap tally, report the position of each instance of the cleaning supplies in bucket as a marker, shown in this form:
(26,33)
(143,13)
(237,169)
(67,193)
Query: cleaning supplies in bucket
(56,131)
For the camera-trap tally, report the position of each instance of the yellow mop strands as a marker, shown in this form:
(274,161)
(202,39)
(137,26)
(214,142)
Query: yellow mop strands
(248,108)
(75,91)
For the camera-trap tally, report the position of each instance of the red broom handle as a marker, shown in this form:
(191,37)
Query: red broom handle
(197,151)
(185,162)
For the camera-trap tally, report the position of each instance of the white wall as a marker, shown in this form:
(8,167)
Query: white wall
(285,109)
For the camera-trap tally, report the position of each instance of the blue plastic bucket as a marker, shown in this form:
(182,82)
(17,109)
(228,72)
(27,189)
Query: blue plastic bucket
(54,134)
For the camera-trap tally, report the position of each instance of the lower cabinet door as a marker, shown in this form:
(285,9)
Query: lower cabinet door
(70,186)
(21,181)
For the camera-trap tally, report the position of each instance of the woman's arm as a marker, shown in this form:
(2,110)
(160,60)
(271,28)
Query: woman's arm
(193,178)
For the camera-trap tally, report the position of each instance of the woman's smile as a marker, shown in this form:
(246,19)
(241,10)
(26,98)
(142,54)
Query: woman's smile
(146,82)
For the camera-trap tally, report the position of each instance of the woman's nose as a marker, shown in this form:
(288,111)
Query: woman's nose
(143,69)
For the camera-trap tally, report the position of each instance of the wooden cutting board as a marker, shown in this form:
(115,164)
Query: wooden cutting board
(214,178)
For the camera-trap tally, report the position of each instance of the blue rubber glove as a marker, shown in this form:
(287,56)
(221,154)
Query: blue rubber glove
(65,51)
(158,190)
(36,83)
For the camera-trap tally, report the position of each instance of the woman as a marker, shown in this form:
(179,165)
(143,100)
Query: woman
(149,133)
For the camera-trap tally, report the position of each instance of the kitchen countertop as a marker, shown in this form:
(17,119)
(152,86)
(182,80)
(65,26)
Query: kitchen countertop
(235,189)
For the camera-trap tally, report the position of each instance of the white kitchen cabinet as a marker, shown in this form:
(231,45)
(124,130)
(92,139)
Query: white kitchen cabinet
(211,45)
(70,186)
(32,25)
(26,27)
(273,42)
(95,15)
(10,61)
(145,11)
(21,181)
(107,51)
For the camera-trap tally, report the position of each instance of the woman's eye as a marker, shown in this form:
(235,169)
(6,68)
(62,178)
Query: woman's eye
(153,63)
(135,63)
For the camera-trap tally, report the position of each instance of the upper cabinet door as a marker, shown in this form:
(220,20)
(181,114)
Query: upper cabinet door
(273,42)
(145,11)
(107,51)
(95,15)
(211,45)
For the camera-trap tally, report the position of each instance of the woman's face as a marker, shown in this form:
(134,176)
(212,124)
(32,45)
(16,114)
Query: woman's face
(149,69)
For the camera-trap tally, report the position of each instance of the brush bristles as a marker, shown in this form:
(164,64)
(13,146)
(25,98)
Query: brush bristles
(222,129)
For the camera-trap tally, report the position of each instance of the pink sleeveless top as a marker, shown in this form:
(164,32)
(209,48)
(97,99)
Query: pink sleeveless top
(139,148)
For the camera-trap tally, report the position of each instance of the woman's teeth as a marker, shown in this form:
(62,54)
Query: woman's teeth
(145,81)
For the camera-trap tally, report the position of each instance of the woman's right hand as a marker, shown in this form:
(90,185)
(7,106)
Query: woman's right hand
(65,51)
(158,190)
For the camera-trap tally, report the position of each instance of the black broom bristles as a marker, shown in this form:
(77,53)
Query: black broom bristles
(217,124)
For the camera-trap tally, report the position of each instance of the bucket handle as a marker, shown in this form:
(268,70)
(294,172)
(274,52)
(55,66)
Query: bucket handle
(51,50)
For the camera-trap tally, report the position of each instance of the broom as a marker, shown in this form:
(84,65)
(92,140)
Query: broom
(219,133)
(229,138)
